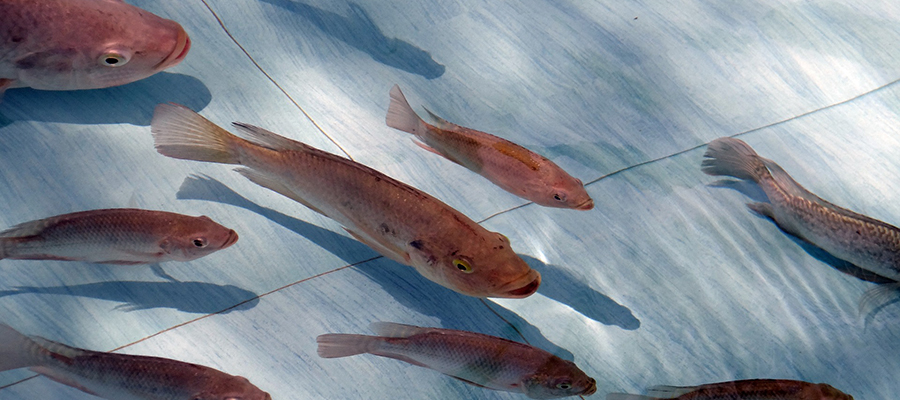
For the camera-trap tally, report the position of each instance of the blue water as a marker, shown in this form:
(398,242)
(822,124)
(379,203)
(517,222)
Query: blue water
(669,280)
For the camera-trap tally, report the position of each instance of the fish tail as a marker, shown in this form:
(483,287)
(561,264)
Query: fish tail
(401,116)
(19,351)
(336,345)
(732,157)
(179,132)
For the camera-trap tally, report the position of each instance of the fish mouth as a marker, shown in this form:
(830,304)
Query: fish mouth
(528,289)
(587,205)
(182,46)
(232,238)
(591,389)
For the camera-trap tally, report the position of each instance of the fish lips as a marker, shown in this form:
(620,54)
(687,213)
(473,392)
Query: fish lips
(533,279)
(587,205)
(232,239)
(591,389)
(182,46)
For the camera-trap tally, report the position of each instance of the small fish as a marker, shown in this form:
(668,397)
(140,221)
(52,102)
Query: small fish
(121,376)
(514,168)
(83,44)
(116,236)
(395,219)
(481,360)
(753,389)
(865,242)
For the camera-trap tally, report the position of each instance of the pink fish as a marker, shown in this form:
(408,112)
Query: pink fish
(83,44)
(116,236)
(752,389)
(482,360)
(514,168)
(121,376)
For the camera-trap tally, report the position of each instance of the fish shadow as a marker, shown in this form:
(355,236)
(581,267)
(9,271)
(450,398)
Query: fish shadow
(191,297)
(753,191)
(560,285)
(403,283)
(132,103)
(359,31)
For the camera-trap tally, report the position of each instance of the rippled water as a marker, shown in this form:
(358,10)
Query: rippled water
(668,280)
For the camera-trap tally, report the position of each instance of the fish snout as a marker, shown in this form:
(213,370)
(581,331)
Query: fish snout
(591,389)
(587,205)
(232,239)
(182,46)
(532,281)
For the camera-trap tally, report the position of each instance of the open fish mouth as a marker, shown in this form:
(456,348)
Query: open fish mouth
(232,238)
(527,290)
(587,205)
(182,46)
(591,389)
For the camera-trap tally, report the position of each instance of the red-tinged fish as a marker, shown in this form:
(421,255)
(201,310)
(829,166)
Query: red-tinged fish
(83,44)
(753,389)
(116,236)
(397,220)
(482,360)
(514,168)
(121,376)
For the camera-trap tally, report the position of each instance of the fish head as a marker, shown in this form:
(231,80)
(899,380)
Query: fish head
(558,378)
(231,387)
(561,190)
(196,237)
(105,44)
(482,264)
(823,391)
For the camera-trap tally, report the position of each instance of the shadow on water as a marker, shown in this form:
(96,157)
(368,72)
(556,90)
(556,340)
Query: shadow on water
(402,282)
(192,297)
(358,31)
(754,192)
(132,103)
(560,285)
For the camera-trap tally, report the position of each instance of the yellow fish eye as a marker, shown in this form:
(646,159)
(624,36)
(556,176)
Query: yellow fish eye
(462,265)
(112,59)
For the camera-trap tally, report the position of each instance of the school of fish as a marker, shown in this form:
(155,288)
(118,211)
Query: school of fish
(91,44)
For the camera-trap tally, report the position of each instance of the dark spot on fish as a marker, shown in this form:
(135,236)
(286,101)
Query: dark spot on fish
(858,232)
(377,178)
(417,244)
(385,229)
(455,252)
(17,39)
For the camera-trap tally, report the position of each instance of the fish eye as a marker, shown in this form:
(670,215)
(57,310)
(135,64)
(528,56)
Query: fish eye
(199,242)
(564,385)
(112,59)
(462,265)
(559,196)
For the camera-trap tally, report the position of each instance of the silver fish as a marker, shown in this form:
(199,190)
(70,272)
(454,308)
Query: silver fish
(514,168)
(393,218)
(751,389)
(121,376)
(482,360)
(865,242)
(83,44)
(116,236)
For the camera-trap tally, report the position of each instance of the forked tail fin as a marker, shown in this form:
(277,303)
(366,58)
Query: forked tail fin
(401,116)
(179,132)
(336,345)
(19,351)
(732,157)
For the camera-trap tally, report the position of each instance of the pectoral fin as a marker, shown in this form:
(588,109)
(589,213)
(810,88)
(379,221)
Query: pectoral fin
(382,247)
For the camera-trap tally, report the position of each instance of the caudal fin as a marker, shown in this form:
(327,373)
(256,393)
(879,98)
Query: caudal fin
(401,116)
(732,157)
(18,351)
(179,132)
(336,345)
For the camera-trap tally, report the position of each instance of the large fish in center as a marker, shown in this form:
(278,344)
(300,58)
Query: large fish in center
(393,218)
(83,44)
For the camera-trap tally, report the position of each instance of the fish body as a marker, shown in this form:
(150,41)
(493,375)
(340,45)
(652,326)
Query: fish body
(481,360)
(121,376)
(752,389)
(83,44)
(514,168)
(865,242)
(393,218)
(116,236)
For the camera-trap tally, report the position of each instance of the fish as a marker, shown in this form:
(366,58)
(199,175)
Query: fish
(513,168)
(863,241)
(751,389)
(125,236)
(84,44)
(481,360)
(121,376)
(398,221)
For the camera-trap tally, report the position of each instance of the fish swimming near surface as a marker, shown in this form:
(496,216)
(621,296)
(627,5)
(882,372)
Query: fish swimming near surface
(752,389)
(83,44)
(121,376)
(863,241)
(116,236)
(514,168)
(396,220)
(482,360)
